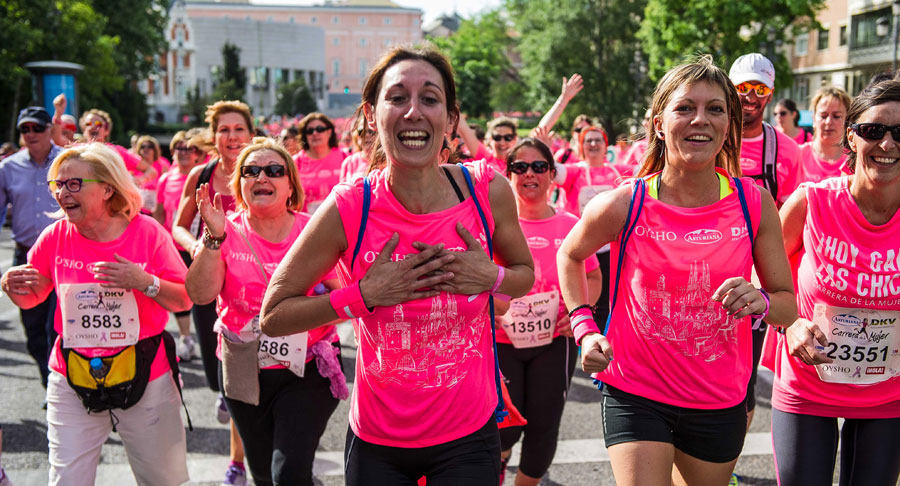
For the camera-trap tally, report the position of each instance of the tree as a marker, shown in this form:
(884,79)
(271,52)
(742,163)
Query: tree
(477,52)
(232,78)
(726,29)
(594,38)
(295,98)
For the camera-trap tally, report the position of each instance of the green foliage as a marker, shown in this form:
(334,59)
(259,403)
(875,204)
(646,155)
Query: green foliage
(195,105)
(594,38)
(477,52)
(294,98)
(232,81)
(674,29)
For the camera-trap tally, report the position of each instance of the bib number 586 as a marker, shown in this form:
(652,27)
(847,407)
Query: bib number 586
(274,348)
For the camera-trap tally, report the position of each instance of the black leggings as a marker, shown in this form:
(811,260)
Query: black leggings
(281,434)
(806,447)
(538,381)
(204,319)
(473,460)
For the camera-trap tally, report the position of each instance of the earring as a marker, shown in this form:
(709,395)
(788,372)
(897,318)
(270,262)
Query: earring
(659,135)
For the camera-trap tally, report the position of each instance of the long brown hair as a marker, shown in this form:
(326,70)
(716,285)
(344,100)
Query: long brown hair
(702,69)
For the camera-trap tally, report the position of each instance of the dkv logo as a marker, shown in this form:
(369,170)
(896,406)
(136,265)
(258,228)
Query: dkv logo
(703,236)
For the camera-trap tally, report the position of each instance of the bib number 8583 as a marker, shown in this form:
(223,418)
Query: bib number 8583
(98,321)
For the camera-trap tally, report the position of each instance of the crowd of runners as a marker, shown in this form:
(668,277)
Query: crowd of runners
(478,269)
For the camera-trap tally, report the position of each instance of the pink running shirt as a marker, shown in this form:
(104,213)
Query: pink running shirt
(583,183)
(848,262)
(484,154)
(803,137)
(425,368)
(168,195)
(63,255)
(787,165)
(672,343)
(636,155)
(244,288)
(318,177)
(544,237)
(815,169)
(354,166)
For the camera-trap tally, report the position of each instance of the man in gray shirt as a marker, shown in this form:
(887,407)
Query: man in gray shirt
(23,185)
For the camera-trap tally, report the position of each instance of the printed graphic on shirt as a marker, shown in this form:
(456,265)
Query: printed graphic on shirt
(864,344)
(424,351)
(686,320)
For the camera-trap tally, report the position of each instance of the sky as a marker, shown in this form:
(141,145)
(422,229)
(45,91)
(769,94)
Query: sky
(431,8)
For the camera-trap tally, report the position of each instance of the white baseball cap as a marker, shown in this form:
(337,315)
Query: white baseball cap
(753,67)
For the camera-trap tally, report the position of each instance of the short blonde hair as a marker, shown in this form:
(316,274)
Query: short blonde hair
(100,113)
(219,108)
(503,121)
(108,168)
(157,153)
(179,137)
(830,92)
(295,202)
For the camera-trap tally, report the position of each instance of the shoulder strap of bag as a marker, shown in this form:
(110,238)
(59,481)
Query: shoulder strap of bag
(367,201)
(770,158)
(745,209)
(256,257)
(169,346)
(500,412)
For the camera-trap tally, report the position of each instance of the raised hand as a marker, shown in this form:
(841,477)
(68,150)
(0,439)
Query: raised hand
(543,135)
(212,212)
(571,87)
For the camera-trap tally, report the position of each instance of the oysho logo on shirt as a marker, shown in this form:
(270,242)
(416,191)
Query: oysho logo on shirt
(703,236)
(537,242)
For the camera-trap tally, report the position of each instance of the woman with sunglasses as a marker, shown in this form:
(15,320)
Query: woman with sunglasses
(824,156)
(534,339)
(117,276)
(280,392)
(501,135)
(786,118)
(840,358)
(675,359)
(150,153)
(585,179)
(319,160)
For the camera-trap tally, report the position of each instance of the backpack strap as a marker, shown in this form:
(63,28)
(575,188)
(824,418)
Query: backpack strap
(500,412)
(744,209)
(770,158)
(367,201)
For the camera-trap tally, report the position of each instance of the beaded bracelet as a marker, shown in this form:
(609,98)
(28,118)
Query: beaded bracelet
(582,306)
(768,304)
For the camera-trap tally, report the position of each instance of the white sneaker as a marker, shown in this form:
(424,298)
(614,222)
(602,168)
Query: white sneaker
(184,348)
(4,479)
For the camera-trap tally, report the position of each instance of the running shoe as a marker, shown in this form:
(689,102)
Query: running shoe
(4,479)
(235,476)
(503,463)
(734,480)
(184,348)
(222,414)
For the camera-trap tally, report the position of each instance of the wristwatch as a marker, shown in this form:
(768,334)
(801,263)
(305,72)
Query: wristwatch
(152,290)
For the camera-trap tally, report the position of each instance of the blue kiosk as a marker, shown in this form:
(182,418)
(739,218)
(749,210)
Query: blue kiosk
(50,78)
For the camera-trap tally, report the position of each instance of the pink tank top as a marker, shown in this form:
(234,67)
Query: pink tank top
(584,182)
(851,263)
(425,368)
(672,344)
(815,169)
(318,176)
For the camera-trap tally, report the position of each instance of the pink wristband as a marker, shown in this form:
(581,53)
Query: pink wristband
(348,302)
(497,295)
(582,321)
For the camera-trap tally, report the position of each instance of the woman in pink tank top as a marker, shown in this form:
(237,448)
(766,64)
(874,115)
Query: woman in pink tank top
(411,251)
(824,157)
(319,160)
(676,357)
(280,391)
(841,358)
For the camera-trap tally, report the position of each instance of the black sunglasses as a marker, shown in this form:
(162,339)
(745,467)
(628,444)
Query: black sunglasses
(273,170)
(538,167)
(318,129)
(876,131)
(187,149)
(32,128)
(509,137)
(781,113)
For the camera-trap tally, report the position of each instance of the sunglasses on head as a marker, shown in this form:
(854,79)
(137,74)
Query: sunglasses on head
(876,131)
(509,137)
(32,128)
(272,171)
(760,89)
(318,129)
(538,167)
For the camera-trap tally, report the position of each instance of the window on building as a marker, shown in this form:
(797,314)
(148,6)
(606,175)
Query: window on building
(801,87)
(215,73)
(843,39)
(335,20)
(363,20)
(388,42)
(415,22)
(291,19)
(314,20)
(822,40)
(336,41)
(864,29)
(280,76)
(387,21)
(363,42)
(801,45)
(259,77)
(336,67)
(363,68)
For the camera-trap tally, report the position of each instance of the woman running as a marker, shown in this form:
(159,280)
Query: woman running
(786,118)
(824,156)
(117,275)
(846,229)
(680,329)
(534,339)
(319,160)
(583,180)
(412,251)
(282,411)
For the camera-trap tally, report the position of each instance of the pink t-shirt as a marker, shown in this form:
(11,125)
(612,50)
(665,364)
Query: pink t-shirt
(544,237)
(787,163)
(244,288)
(318,177)
(63,255)
(424,368)
(815,169)
(803,137)
(497,164)
(131,160)
(583,183)
(636,155)
(671,342)
(848,262)
(561,154)
(354,166)
(168,195)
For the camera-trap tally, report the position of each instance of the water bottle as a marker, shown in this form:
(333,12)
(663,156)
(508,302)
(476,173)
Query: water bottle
(99,369)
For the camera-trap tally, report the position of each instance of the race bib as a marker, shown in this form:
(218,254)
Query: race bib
(588,192)
(288,351)
(98,317)
(864,344)
(531,320)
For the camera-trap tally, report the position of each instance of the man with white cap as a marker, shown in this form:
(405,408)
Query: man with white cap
(767,155)
(23,185)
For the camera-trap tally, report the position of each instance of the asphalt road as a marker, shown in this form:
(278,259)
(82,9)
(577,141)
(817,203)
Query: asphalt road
(580,459)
